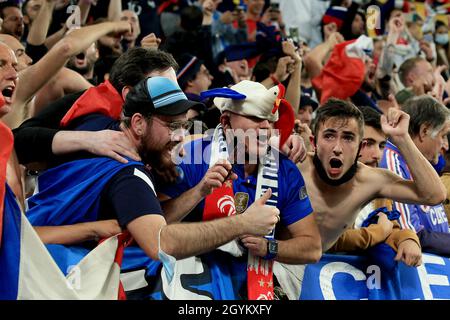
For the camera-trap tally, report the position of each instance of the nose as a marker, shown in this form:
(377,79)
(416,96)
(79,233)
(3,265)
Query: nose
(337,149)
(11,74)
(307,117)
(378,153)
(265,124)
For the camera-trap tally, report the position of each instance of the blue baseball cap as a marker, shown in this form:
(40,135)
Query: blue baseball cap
(157,95)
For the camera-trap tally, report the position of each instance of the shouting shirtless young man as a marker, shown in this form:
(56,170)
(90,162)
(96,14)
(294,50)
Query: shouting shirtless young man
(339,186)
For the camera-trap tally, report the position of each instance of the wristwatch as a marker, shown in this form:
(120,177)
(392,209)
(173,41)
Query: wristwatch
(272,249)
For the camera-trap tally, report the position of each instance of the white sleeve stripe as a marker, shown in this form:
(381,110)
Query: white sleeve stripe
(393,163)
(143,176)
(394,166)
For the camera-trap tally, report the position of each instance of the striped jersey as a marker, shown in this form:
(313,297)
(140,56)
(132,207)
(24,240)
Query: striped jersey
(414,217)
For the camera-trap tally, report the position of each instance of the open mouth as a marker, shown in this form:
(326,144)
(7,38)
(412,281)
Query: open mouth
(80,59)
(335,163)
(335,166)
(7,93)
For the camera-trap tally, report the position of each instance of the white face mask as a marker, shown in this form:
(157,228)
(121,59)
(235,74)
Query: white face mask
(441,38)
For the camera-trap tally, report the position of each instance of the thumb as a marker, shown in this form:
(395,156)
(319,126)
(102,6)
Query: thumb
(383,120)
(393,101)
(398,257)
(266,196)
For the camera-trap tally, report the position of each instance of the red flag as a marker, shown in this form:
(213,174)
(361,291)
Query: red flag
(6,145)
(220,203)
(342,76)
(103,99)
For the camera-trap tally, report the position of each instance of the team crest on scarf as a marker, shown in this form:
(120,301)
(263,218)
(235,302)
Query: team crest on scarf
(241,201)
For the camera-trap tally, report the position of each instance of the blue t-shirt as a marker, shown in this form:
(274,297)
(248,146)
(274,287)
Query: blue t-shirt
(293,201)
(414,217)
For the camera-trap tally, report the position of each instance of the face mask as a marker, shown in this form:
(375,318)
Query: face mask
(332,182)
(441,38)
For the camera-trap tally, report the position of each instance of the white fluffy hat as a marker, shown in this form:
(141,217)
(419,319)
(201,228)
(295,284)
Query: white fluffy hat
(259,101)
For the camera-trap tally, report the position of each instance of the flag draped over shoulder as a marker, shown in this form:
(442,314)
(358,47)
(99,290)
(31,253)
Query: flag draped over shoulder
(28,271)
(344,72)
(103,99)
(6,145)
(68,194)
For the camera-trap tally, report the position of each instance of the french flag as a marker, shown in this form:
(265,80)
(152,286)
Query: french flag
(344,72)
(28,271)
(335,14)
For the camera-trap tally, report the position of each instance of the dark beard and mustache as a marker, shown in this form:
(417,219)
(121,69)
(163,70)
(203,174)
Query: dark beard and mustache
(158,159)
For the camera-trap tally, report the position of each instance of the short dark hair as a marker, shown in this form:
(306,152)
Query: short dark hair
(372,118)
(134,65)
(6,4)
(191,18)
(407,67)
(337,108)
(425,110)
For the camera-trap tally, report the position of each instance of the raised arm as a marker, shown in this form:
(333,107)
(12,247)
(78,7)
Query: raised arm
(293,89)
(36,76)
(114,10)
(39,28)
(427,188)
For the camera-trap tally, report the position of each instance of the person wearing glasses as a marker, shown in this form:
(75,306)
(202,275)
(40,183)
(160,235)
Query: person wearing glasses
(102,188)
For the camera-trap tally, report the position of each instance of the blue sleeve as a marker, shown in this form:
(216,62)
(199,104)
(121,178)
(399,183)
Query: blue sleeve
(296,204)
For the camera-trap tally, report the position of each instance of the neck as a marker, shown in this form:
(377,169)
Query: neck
(130,136)
(90,74)
(193,91)
(250,169)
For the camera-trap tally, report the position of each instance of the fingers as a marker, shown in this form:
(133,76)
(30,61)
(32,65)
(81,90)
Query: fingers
(223,163)
(393,101)
(116,157)
(399,255)
(394,116)
(214,180)
(266,196)
(222,169)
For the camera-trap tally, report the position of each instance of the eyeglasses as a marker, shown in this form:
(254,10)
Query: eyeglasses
(176,125)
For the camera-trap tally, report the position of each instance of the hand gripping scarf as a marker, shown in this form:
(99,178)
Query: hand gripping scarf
(220,203)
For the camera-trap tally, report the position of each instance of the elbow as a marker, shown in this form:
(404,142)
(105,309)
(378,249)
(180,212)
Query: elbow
(437,197)
(65,47)
(315,254)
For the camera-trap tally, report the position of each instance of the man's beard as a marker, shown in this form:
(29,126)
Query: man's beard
(158,159)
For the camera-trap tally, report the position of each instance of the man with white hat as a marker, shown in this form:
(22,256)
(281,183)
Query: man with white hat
(249,110)
(103,188)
